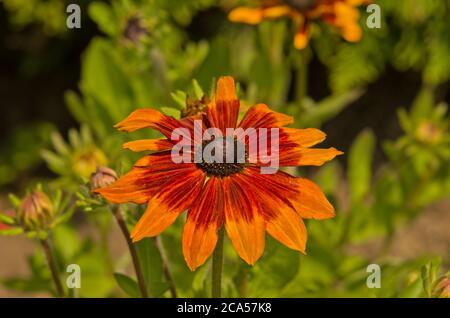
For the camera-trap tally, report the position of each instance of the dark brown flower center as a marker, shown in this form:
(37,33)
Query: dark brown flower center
(232,158)
(301,5)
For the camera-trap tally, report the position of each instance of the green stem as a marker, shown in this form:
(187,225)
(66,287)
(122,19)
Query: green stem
(301,62)
(217,263)
(166,269)
(134,257)
(53,266)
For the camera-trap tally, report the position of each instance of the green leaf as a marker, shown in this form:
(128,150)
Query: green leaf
(11,232)
(102,14)
(317,114)
(128,285)
(198,91)
(76,106)
(151,264)
(360,165)
(6,219)
(15,201)
(180,98)
(276,269)
(423,105)
(169,111)
(429,274)
(59,144)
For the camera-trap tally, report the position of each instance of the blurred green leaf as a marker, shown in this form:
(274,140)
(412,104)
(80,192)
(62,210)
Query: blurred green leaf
(360,165)
(429,275)
(128,285)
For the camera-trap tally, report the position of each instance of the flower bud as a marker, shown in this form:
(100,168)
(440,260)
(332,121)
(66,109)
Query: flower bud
(195,106)
(36,211)
(102,177)
(134,30)
(442,288)
(429,133)
(87,160)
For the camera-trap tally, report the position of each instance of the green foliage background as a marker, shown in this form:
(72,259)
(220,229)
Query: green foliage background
(156,69)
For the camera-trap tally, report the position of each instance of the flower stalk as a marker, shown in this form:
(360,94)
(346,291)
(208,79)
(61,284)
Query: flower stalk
(217,263)
(53,266)
(117,211)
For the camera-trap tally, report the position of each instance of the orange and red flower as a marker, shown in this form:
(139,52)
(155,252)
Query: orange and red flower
(234,195)
(342,14)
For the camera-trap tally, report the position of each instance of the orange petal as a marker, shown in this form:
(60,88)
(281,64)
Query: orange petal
(301,38)
(163,209)
(346,19)
(288,228)
(246,15)
(148,145)
(280,11)
(149,118)
(202,224)
(244,224)
(352,32)
(223,113)
(301,194)
(299,156)
(272,194)
(312,203)
(148,176)
(302,137)
(260,116)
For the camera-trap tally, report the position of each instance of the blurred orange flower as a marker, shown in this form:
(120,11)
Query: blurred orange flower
(342,14)
(235,195)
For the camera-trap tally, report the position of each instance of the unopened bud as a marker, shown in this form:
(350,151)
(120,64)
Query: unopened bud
(103,177)
(36,211)
(134,30)
(195,106)
(429,133)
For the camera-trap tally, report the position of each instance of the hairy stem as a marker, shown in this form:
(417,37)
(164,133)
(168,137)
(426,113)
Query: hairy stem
(53,266)
(134,257)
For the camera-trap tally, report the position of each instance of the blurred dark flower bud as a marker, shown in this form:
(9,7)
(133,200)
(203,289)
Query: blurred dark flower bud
(195,106)
(442,288)
(36,211)
(103,177)
(134,30)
